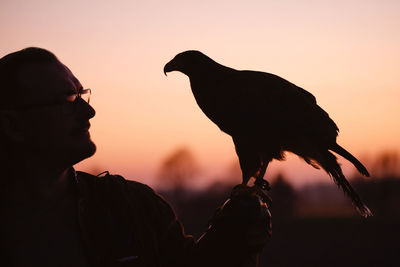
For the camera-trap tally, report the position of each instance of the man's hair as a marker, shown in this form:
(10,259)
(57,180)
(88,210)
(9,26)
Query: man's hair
(10,66)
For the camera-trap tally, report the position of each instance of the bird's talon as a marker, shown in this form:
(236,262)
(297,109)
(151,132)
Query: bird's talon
(264,196)
(263,184)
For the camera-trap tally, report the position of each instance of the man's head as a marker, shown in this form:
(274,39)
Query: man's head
(41,111)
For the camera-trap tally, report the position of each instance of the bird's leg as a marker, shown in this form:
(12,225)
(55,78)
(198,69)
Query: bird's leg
(262,185)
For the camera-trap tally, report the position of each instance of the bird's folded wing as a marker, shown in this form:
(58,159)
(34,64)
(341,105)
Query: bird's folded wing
(265,102)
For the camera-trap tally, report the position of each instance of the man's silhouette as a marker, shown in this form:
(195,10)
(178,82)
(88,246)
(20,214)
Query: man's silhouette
(54,216)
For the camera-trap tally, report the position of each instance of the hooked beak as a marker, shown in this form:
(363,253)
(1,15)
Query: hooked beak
(169,67)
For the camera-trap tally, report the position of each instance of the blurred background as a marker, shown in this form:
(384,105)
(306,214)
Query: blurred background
(149,128)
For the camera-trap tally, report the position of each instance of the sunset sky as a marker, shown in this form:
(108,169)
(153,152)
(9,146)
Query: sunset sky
(346,53)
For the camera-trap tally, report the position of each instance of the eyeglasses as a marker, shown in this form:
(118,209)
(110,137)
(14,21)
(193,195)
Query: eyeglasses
(84,94)
(68,105)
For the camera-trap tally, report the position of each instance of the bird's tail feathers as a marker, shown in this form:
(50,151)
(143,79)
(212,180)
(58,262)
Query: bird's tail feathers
(344,153)
(331,166)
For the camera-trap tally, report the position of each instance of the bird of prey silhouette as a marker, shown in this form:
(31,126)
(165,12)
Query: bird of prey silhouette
(266,115)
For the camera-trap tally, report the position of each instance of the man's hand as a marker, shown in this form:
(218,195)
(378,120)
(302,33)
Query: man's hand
(238,231)
(245,217)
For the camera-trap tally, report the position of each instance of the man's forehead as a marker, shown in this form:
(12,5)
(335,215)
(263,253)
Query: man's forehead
(51,79)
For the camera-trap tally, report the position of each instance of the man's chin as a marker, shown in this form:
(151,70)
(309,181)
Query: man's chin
(90,150)
(84,152)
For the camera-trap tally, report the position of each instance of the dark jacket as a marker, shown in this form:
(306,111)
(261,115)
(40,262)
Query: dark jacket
(125,223)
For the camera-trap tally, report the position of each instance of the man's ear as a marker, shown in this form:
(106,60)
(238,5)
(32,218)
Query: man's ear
(10,125)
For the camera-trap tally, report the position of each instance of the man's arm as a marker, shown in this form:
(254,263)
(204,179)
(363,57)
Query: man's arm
(118,210)
(237,233)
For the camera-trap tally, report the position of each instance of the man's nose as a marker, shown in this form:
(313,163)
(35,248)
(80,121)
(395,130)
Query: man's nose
(84,109)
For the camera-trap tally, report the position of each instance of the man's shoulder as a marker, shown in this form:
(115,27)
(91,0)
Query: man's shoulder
(111,186)
(129,207)
(111,181)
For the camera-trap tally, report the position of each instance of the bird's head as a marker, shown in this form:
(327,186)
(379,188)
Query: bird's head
(187,62)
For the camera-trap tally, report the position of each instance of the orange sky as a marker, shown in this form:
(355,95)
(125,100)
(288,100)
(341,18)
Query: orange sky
(344,52)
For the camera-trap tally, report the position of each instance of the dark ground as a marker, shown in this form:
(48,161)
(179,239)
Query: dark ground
(333,242)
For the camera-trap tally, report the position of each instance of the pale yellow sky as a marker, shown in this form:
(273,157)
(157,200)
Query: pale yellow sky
(344,52)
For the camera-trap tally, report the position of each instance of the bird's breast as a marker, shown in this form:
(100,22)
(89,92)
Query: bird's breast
(214,105)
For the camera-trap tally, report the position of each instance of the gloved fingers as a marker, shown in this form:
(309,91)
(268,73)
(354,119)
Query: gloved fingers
(244,218)
(258,234)
(256,240)
(242,191)
(264,196)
